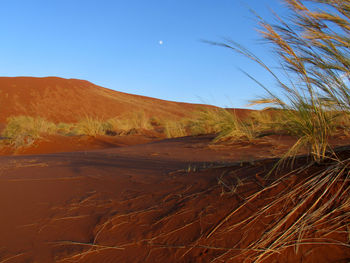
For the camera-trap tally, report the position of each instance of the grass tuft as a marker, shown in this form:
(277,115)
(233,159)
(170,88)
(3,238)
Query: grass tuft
(132,123)
(92,126)
(312,46)
(24,130)
(175,129)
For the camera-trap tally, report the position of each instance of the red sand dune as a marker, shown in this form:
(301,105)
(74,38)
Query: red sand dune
(68,100)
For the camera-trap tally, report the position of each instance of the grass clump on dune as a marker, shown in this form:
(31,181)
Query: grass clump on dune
(66,129)
(131,123)
(24,130)
(312,46)
(311,124)
(175,129)
(313,51)
(223,122)
(209,121)
(92,127)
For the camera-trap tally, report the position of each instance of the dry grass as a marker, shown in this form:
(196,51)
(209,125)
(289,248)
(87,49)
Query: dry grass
(312,125)
(311,205)
(311,211)
(91,126)
(312,48)
(66,129)
(132,123)
(24,130)
(174,129)
(222,122)
(218,121)
(312,45)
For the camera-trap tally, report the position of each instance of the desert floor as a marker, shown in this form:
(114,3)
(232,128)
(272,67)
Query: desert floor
(156,201)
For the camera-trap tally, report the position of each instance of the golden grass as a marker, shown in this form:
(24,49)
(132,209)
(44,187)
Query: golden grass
(24,130)
(308,212)
(66,129)
(131,123)
(92,126)
(222,122)
(174,129)
(312,45)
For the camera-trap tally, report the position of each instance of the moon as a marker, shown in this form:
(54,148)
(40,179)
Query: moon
(161,42)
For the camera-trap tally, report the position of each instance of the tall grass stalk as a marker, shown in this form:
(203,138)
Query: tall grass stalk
(313,50)
(312,46)
(313,212)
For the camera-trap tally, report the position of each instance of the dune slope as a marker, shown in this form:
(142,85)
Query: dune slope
(68,100)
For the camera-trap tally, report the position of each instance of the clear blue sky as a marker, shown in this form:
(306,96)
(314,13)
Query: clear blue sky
(115,44)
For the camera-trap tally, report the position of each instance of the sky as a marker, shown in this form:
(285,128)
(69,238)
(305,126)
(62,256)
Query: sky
(146,47)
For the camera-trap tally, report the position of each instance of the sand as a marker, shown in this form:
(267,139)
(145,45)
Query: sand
(151,202)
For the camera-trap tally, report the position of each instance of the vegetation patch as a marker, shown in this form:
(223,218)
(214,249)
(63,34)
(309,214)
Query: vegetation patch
(312,45)
(24,130)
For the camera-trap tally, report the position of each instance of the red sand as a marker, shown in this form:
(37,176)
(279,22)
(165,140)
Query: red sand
(141,203)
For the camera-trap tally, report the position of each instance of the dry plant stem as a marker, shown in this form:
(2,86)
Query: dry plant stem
(250,199)
(282,222)
(296,210)
(319,185)
(278,242)
(314,49)
(81,255)
(86,244)
(13,257)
